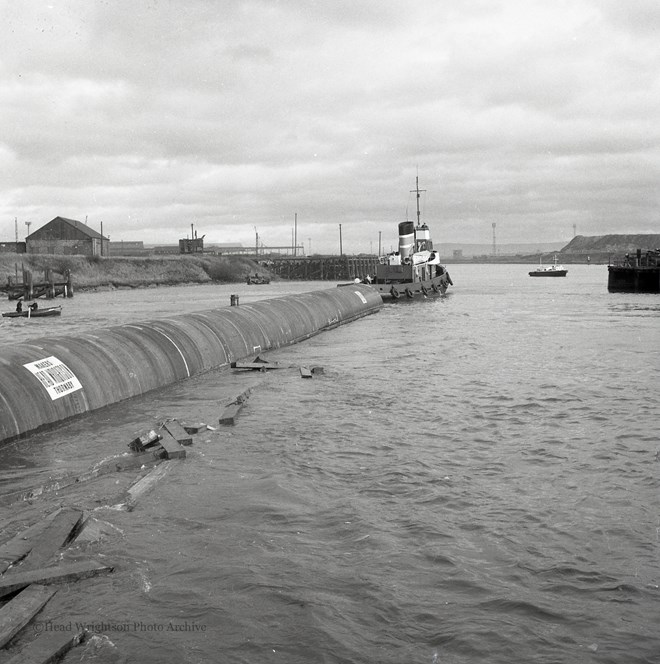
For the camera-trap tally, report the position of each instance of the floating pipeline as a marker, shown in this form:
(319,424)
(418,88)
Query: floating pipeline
(48,380)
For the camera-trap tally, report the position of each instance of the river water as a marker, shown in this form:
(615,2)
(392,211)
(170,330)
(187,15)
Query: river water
(473,478)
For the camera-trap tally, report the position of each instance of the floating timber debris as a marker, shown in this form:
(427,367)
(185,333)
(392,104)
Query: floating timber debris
(172,447)
(20,545)
(20,610)
(141,443)
(55,535)
(178,432)
(48,647)
(166,443)
(308,373)
(145,483)
(11,583)
(258,364)
(232,409)
(195,428)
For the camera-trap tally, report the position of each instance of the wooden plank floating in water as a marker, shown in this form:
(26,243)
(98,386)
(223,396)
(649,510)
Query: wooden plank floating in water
(10,583)
(56,535)
(258,364)
(232,409)
(146,483)
(48,647)
(18,612)
(230,412)
(178,432)
(171,446)
(132,461)
(305,372)
(20,545)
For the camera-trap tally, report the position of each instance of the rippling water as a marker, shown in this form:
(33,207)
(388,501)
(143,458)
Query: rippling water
(474,478)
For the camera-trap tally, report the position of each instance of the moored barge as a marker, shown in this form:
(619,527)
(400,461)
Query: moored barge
(639,273)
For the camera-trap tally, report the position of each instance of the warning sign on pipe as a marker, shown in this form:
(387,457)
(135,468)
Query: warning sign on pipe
(55,376)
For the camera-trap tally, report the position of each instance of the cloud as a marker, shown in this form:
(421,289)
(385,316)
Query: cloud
(152,115)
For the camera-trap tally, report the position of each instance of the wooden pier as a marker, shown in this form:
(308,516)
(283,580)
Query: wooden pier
(323,268)
(28,289)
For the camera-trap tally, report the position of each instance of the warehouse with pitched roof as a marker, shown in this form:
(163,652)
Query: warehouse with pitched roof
(67,236)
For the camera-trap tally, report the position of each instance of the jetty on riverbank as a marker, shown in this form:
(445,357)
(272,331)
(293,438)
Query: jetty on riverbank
(28,289)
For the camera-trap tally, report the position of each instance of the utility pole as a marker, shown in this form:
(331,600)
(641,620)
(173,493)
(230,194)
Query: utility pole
(27,223)
(256,242)
(295,234)
(494,242)
(379,238)
(341,251)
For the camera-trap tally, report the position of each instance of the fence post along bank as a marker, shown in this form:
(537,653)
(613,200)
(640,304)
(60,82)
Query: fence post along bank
(51,379)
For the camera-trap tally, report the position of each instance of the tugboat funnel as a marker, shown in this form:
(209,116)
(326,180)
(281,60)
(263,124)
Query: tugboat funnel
(406,238)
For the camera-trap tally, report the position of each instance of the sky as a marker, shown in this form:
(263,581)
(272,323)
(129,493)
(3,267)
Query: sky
(310,120)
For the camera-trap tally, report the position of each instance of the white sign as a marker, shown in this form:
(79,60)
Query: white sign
(362,297)
(55,376)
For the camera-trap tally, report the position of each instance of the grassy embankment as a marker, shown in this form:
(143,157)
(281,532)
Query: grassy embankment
(129,272)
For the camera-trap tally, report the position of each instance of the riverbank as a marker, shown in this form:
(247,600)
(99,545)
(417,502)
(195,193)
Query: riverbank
(89,273)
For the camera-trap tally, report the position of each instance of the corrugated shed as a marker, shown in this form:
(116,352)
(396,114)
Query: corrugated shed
(61,228)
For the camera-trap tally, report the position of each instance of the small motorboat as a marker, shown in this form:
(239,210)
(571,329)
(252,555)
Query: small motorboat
(33,313)
(554,270)
(256,279)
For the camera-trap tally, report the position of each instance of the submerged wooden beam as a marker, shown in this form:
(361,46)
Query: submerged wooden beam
(49,647)
(229,413)
(146,483)
(18,612)
(10,583)
(56,534)
(20,545)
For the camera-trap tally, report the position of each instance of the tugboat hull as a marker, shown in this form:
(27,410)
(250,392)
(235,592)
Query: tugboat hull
(406,289)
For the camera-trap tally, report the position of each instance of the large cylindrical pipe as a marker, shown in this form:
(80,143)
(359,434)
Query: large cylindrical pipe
(49,380)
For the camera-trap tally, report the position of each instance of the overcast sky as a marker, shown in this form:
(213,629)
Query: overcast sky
(235,115)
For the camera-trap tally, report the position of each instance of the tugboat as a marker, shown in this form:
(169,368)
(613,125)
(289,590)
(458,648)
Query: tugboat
(415,269)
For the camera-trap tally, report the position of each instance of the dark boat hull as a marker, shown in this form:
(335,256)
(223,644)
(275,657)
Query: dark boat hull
(548,273)
(411,289)
(624,279)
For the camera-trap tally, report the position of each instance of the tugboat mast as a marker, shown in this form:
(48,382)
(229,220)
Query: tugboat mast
(417,191)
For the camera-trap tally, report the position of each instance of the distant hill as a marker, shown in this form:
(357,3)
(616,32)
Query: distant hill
(469,250)
(611,244)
